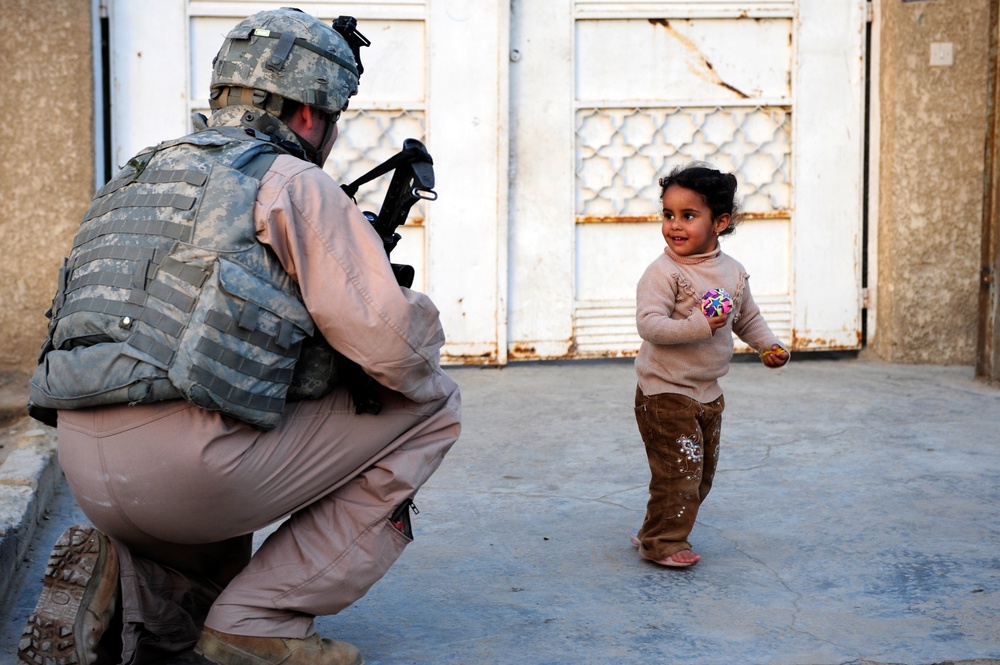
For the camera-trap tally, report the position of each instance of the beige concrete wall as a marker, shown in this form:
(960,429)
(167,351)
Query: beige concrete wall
(933,132)
(47,177)
(988,342)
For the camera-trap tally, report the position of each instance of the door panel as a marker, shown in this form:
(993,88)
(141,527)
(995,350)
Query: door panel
(683,59)
(657,85)
(431,73)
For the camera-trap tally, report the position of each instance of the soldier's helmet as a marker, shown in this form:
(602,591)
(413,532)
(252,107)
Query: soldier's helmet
(288,53)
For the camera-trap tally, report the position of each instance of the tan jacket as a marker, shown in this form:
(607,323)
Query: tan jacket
(326,245)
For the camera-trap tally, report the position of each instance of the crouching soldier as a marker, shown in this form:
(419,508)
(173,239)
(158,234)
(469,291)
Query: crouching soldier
(174,340)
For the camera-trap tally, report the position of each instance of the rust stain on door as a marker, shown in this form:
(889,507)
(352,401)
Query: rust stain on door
(697,63)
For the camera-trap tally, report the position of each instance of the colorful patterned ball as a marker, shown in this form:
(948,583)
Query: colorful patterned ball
(716,302)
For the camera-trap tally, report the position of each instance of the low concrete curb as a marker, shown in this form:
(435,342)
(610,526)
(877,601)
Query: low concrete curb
(28,479)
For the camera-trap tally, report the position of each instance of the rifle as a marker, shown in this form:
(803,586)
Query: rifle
(412,180)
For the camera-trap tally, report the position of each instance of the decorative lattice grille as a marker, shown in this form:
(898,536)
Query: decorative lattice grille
(368,138)
(621,153)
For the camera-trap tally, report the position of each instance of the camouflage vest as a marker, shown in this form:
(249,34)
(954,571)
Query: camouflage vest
(167,293)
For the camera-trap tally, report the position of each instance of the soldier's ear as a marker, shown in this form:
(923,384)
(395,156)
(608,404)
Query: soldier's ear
(302,120)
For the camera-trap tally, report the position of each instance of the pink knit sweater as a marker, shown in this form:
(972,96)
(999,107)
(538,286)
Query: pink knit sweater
(679,353)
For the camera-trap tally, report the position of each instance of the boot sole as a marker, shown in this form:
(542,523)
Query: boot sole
(82,565)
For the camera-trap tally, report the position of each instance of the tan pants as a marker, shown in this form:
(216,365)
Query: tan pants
(181,490)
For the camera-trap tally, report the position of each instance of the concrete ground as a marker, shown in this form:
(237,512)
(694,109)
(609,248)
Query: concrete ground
(855,519)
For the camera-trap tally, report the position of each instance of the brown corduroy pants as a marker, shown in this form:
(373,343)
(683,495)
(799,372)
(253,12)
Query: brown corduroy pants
(181,490)
(681,436)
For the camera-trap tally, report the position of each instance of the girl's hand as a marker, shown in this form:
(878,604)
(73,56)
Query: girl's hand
(717,322)
(774,357)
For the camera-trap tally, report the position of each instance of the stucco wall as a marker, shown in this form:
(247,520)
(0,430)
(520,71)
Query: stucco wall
(46,139)
(933,132)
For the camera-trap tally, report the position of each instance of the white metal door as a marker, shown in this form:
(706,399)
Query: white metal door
(558,115)
(431,73)
(608,95)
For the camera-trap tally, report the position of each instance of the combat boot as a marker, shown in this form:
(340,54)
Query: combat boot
(77,603)
(226,649)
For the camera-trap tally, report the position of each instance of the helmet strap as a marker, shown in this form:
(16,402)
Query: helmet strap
(267,121)
(236,96)
(265,126)
(314,153)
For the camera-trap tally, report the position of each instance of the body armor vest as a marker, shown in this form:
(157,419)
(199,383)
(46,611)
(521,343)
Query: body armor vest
(167,293)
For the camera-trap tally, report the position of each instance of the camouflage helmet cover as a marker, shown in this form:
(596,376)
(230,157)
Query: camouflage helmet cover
(288,53)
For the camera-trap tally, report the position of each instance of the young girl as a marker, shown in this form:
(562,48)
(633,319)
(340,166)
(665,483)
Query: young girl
(685,349)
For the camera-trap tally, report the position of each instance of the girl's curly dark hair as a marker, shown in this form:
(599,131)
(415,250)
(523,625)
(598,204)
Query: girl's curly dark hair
(716,188)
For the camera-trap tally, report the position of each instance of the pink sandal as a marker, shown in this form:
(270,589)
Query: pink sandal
(671,563)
